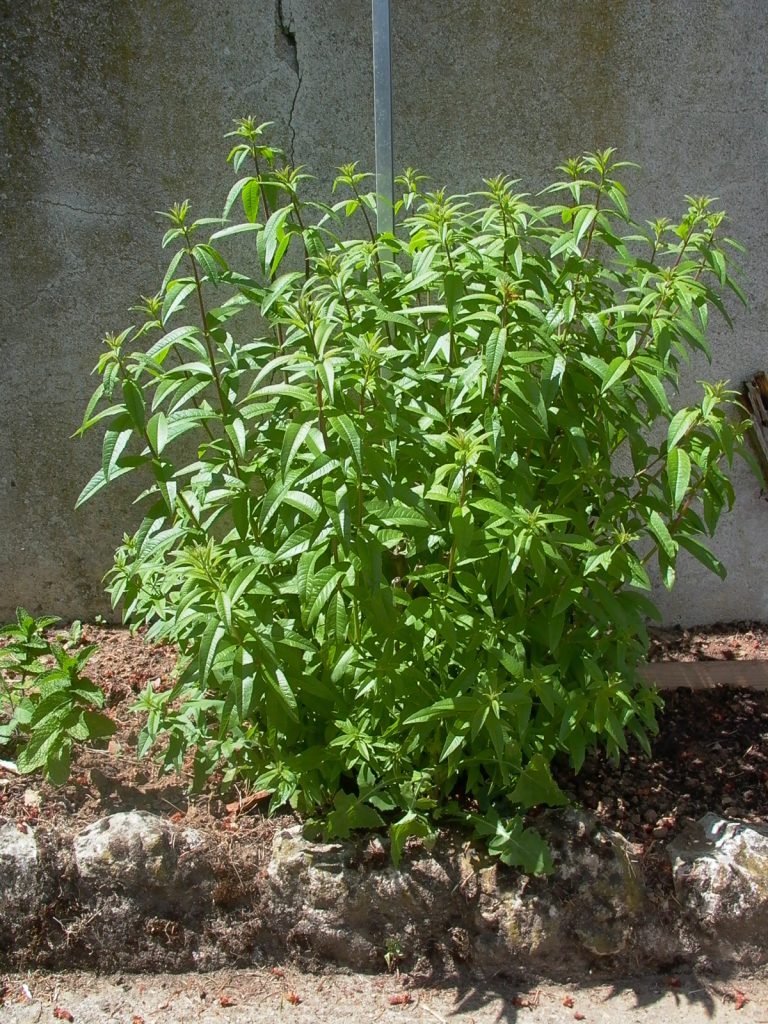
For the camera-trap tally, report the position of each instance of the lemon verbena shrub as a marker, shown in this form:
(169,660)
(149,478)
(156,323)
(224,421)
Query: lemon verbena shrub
(402,492)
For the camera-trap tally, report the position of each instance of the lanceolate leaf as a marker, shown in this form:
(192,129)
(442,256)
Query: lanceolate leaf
(679,426)
(347,431)
(702,553)
(320,590)
(209,645)
(494,353)
(293,440)
(251,196)
(614,373)
(157,432)
(658,528)
(114,446)
(97,481)
(678,475)
(337,620)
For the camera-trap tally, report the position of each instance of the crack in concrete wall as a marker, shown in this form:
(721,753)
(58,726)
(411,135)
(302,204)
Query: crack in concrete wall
(288,50)
(89,211)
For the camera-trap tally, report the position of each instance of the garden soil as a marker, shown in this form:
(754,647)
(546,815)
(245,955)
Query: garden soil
(711,754)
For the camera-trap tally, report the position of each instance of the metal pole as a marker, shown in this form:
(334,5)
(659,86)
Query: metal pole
(382,115)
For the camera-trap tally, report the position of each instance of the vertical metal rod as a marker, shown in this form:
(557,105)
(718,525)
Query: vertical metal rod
(382,114)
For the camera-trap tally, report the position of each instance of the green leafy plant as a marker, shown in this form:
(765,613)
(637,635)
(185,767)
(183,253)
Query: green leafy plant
(46,703)
(399,521)
(394,953)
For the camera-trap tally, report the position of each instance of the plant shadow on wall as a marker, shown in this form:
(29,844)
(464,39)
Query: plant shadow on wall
(404,567)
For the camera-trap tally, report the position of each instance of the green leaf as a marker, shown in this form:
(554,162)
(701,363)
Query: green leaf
(655,387)
(237,434)
(411,824)
(281,687)
(514,845)
(44,739)
(346,430)
(494,353)
(303,502)
(678,475)
(320,589)
(115,442)
(658,528)
(58,763)
(337,620)
(174,298)
(97,481)
(453,741)
(447,707)
(211,261)
(496,508)
(350,812)
(209,645)
(134,403)
(702,553)
(157,432)
(284,390)
(453,286)
(583,221)
(536,786)
(398,515)
(251,199)
(244,682)
(169,340)
(679,426)
(271,239)
(616,369)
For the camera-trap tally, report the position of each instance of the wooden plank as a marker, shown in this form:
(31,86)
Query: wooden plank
(756,402)
(705,675)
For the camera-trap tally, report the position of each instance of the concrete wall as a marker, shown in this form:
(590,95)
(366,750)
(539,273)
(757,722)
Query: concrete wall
(114,110)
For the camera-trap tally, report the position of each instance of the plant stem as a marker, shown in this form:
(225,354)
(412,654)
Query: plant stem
(258,175)
(224,403)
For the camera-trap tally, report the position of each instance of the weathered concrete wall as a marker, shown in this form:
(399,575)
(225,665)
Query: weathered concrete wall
(114,110)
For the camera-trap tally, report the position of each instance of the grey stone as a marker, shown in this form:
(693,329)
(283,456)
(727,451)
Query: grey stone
(596,895)
(150,894)
(720,872)
(334,905)
(19,868)
(590,908)
(128,849)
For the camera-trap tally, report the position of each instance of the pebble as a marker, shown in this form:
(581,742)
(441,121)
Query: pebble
(651,816)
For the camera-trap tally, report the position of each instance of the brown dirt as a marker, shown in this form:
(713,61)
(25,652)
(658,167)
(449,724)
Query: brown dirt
(711,753)
(724,641)
(104,781)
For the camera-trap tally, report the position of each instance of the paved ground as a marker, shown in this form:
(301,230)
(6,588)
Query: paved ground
(261,996)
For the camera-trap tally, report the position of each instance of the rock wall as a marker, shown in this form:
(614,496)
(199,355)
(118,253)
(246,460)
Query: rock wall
(134,891)
(114,110)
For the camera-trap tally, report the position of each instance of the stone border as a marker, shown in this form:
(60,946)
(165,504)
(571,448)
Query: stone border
(135,892)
